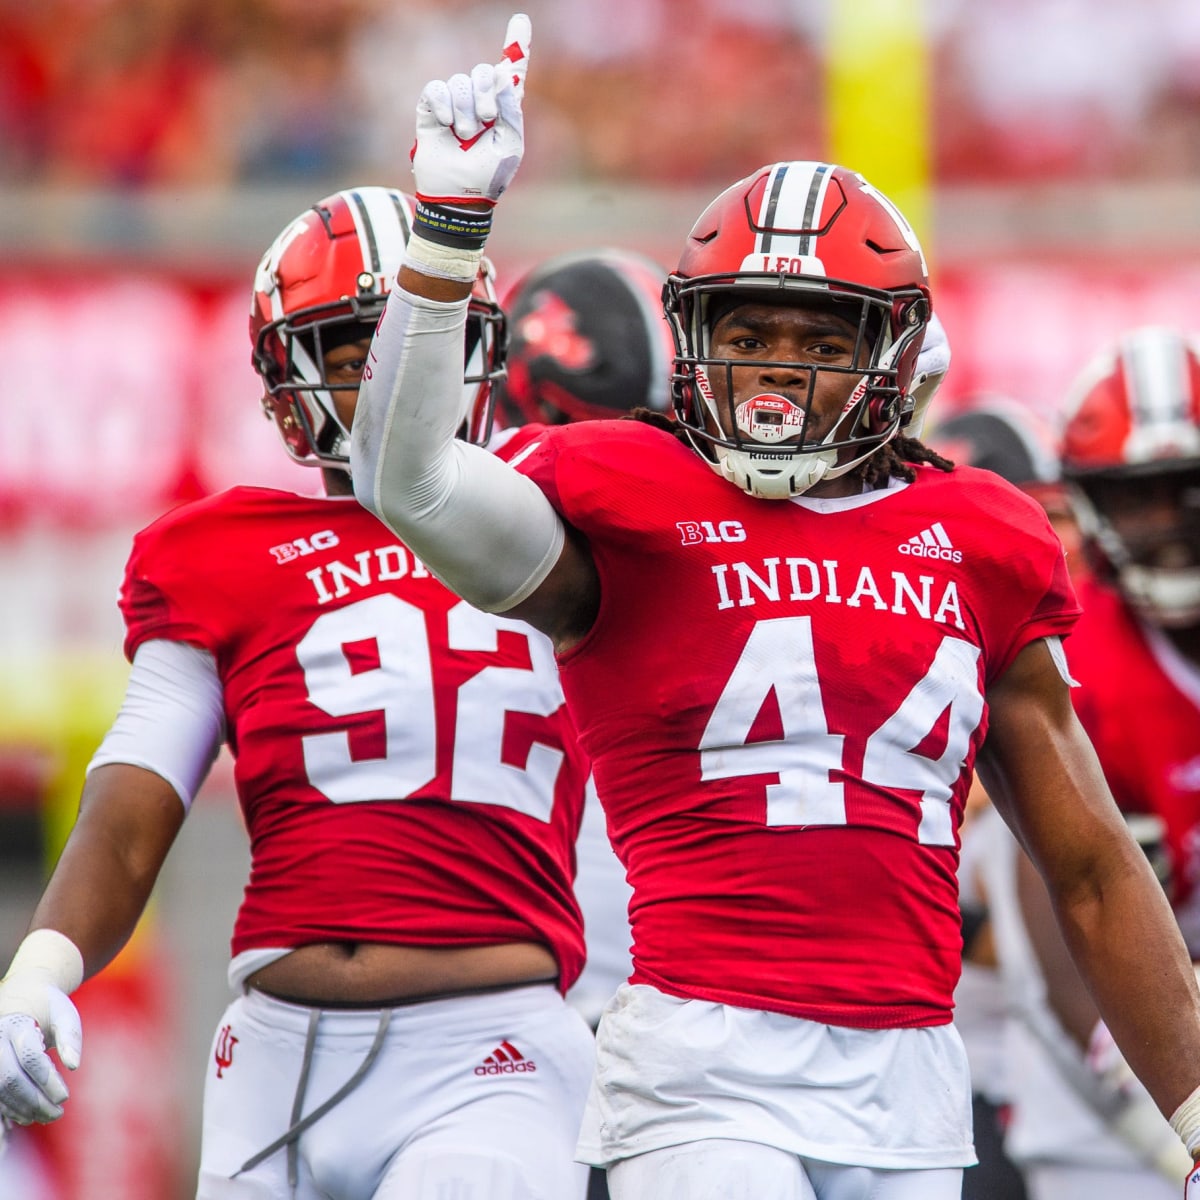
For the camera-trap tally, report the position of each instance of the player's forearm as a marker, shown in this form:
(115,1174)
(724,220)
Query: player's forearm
(1128,948)
(127,823)
(486,531)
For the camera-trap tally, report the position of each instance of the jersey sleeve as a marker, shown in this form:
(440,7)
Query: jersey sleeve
(601,476)
(1026,590)
(159,593)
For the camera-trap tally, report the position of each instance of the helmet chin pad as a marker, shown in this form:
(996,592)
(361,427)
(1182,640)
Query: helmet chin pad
(772,476)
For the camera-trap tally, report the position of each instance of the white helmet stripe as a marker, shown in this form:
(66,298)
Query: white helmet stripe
(794,198)
(1156,378)
(382,226)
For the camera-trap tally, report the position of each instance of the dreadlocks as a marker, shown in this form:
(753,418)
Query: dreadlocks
(893,460)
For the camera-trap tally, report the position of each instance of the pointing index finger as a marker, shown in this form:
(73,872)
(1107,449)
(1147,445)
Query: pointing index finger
(515,55)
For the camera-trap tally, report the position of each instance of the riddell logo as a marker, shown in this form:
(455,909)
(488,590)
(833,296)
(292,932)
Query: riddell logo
(506,1059)
(933,542)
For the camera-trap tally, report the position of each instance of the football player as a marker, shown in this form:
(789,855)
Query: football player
(786,636)
(409,781)
(1131,456)
(587,339)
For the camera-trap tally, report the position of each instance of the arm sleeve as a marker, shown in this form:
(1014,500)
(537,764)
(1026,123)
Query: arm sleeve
(172,720)
(485,530)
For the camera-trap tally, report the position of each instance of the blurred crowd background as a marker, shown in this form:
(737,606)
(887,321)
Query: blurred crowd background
(137,93)
(150,150)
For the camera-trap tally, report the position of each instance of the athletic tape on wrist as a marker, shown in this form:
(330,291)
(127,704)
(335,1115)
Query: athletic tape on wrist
(457,263)
(1185,1120)
(52,955)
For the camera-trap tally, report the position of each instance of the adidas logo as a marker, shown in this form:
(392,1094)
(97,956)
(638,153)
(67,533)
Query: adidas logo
(933,542)
(506,1059)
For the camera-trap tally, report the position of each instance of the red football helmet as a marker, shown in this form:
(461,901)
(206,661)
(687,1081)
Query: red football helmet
(323,282)
(587,339)
(1131,453)
(800,229)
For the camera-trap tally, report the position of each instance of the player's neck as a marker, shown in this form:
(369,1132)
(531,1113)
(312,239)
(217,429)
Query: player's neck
(337,482)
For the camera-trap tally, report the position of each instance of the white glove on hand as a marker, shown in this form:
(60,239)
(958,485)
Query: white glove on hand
(31,1089)
(1191,1188)
(470,128)
(35,1015)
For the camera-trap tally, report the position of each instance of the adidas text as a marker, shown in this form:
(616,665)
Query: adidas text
(508,1068)
(921,551)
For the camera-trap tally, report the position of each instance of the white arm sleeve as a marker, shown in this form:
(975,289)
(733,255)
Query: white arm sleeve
(485,530)
(172,720)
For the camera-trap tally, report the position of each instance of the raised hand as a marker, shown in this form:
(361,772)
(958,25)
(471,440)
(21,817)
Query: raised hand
(470,128)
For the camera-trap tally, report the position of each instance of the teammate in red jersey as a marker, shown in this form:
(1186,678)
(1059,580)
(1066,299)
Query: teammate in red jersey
(587,341)
(409,780)
(1131,454)
(786,638)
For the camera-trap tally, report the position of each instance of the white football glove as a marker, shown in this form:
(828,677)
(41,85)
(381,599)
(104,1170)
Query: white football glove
(1191,1188)
(470,128)
(35,1016)
(31,1089)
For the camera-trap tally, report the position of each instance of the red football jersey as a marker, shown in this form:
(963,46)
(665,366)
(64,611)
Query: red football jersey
(1140,703)
(405,763)
(783,702)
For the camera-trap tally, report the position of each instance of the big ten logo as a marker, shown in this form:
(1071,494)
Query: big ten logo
(694,533)
(324,539)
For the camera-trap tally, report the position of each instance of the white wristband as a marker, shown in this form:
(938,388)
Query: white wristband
(51,955)
(457,263)
(1185,1120)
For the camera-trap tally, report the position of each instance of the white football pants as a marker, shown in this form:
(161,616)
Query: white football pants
(471,1098)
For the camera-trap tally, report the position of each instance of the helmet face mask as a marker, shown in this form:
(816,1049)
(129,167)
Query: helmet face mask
(290,356)
(816,238)
(1131,454)
(1142,529)
(324,282)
